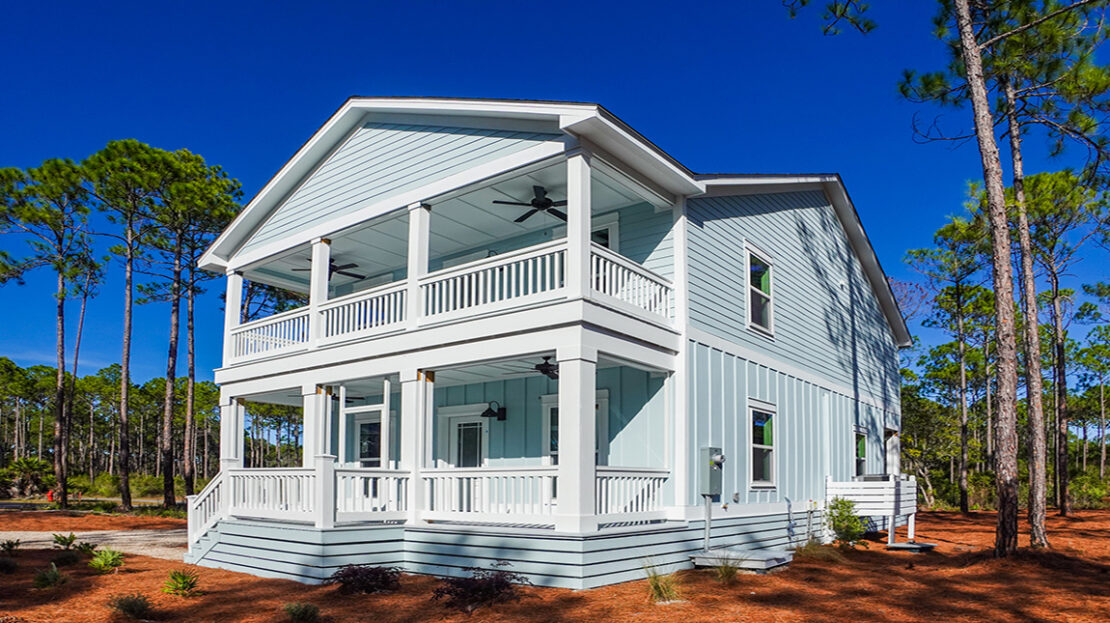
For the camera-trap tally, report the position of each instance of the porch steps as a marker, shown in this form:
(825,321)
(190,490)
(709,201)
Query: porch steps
(756,561)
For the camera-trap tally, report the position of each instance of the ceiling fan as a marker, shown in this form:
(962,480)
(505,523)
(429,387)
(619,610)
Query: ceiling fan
(540,203)
(336,269)
(545,367)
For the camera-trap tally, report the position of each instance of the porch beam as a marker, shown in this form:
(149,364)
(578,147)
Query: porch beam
(420,219)
(578,225)
(319,277)
(577,471)
(233,305)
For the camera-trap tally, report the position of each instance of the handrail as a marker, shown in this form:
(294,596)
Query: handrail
(617,258)
(493,260)
(205,509)
(647,471)
(376,290)
(537,469)
(261,322)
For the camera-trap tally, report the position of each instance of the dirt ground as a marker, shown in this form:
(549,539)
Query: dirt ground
(76,521)
(960,581)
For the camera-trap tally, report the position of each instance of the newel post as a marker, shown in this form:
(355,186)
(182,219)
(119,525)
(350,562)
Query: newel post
(318,287)
(325,502)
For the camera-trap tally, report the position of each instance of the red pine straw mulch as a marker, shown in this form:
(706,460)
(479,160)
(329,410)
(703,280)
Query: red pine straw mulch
(958,582)
(75,521)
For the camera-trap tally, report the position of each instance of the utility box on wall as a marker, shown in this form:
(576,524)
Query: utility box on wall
(710,461)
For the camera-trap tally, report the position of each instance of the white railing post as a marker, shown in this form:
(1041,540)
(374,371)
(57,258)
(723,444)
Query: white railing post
(419,230)
(325,503)
(578,226)
(894,513)
(233,304)
(577,470)
(319,277)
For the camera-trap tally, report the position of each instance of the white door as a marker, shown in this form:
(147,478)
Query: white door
(468,441)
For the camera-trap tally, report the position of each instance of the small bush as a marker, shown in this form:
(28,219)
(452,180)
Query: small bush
(135,606)
(300,612)
(105,485)
(8,565)
(62,541)
(846,525)
(49,578)
(9,546)
(816,551)
(106,561)
(483,587)
(182,582)
(1087,490)
(85,548)
(353,579)
(725,570)
(146,485)
(66,557)
(661,587)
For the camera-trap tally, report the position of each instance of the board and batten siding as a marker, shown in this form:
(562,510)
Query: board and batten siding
(380,160)
(826,317)
(814,428)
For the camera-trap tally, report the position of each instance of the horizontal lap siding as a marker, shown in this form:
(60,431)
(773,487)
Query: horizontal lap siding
(826,316)
(645,238)
(383,159)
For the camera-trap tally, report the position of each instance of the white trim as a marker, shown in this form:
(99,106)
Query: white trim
(751,250)
(772,410)
(452,439)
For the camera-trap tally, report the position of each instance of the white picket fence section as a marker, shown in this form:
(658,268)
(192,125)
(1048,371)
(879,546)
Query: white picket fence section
(630,494)
(521,277)
(282,493)
(370,495)
(520,495)
(626,282)
(363,314)
(205,508)
(270,336)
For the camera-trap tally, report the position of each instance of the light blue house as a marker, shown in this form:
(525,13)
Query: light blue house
(528,330)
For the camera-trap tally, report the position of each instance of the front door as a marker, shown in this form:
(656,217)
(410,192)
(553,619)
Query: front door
(368,441)
(468,439)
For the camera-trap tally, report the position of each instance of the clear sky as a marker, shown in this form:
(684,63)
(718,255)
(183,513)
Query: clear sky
(723,87)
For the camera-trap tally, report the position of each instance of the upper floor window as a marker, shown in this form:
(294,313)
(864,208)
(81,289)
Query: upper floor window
(759,293)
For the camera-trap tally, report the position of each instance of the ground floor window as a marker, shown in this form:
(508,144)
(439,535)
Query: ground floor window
(861,453)
(763,446)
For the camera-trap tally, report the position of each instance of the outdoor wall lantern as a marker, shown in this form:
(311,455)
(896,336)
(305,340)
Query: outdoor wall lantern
(494,410)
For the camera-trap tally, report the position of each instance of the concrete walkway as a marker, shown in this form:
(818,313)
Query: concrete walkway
(167,544)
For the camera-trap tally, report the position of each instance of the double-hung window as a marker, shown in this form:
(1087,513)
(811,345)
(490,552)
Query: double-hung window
(759,293)
(861,453)
(763,447)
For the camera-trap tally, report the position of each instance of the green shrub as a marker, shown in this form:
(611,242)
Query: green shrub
(9,546)
(135,606)
(66,557)
(483,587)
(300,612)
(30,476)
(63,541)
(662,587)
(1089,491)
(79,483)
(846,525)
(106,561)
(182,582)
(8,565)
(146,485)
(85,548)
(49,578)
(105,485)
(353,579)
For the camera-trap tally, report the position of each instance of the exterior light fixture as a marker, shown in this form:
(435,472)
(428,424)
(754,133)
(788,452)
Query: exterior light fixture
(494,410)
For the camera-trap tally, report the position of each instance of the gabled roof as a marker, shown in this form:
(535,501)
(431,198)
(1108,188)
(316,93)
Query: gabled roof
(579,120)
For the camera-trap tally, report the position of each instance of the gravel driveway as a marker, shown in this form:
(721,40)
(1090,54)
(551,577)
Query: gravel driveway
(167,544)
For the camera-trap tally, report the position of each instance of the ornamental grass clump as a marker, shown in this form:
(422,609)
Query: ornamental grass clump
(725,570)
(300,612)
(662,587)
(106,561)
(182,582)
(367,580)
(134,606)
(483,587)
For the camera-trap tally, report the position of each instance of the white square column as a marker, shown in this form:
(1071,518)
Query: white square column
(577,472)
(233,311)
(316,413)
(319,276)
(231,433)
(417,387)
(578,226)
(420,220)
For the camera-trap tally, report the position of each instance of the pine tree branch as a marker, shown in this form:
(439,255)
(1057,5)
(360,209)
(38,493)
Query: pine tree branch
(1033,24)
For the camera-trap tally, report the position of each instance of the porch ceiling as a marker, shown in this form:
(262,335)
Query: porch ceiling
(519,368)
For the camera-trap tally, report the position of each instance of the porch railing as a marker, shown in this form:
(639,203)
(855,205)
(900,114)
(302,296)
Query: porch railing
(285,493)
(270,336)
(366,495)
(896,495)
(629,493)
(363,313)
(517,278)
(205,508)
(623,281)
(520,494)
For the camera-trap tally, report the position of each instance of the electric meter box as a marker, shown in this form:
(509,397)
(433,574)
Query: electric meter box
(710,461)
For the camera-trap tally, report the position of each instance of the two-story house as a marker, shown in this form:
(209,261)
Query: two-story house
(525,324)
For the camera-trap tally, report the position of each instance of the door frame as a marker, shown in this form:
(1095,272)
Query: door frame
(447,418)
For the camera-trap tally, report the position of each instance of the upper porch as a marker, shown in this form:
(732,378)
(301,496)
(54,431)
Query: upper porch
(572,227)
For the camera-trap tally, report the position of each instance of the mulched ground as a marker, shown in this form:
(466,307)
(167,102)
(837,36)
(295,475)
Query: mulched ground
(958,582)
(75,521)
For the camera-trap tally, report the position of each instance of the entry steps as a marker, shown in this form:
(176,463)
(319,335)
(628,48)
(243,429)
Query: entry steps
(756,561)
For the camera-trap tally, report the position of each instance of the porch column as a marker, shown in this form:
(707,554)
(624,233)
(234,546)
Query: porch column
(315,411)
(420,218)
(318,286)
(231,433)
(577,471)
(578,226)
(233,304)
(416,412)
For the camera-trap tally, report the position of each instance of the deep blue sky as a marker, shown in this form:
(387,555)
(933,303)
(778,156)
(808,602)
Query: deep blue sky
(727,87)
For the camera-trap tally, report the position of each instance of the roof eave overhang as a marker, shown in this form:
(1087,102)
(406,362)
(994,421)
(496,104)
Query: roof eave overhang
(834,189)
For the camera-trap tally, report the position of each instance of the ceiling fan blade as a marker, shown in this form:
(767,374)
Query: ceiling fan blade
(510,203)
(539,191)
(525,216)
(559,214)
(349,274)
(553,375)
(344,267)
(302,270)
(521,373)
(559,203)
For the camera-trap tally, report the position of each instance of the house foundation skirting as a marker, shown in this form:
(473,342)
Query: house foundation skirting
(307,554)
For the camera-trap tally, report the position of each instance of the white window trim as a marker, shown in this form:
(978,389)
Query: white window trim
(445,420)
(609,220)
(766,407)
(548,401)
(859,430)
(749,251)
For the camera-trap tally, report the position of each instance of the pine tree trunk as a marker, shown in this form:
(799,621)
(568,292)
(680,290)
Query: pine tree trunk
(188,467)
(964,507)
(1006,532)
(1102,427)
(124,462)
(987,390)
(1034,392)
(1060,367)
(169,499)
(92,445)
(61,488)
